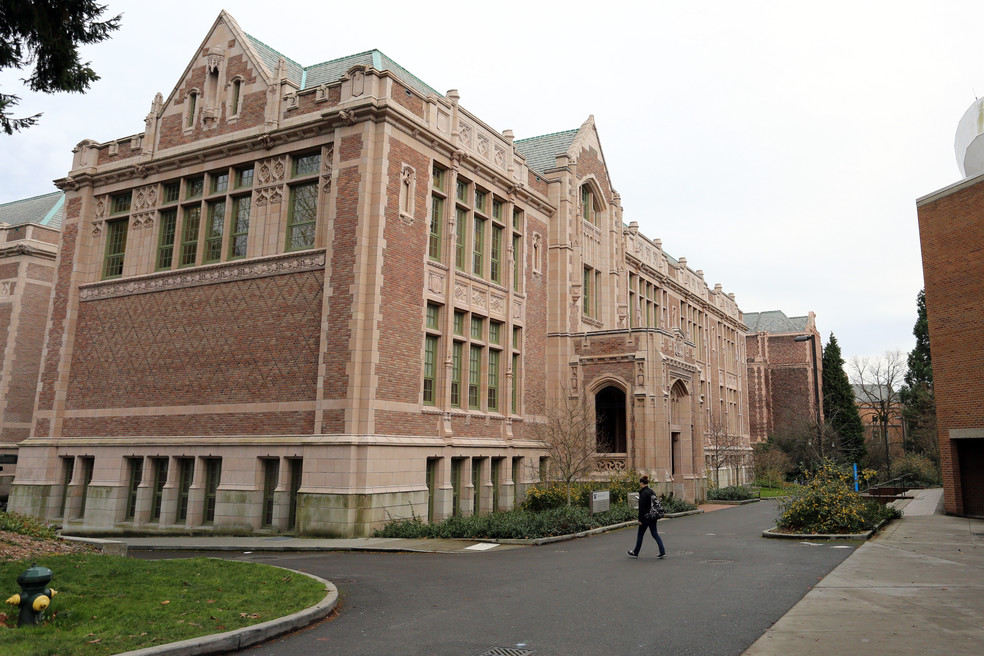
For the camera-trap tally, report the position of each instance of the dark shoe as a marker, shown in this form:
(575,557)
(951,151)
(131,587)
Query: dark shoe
(662,555)
(632,553)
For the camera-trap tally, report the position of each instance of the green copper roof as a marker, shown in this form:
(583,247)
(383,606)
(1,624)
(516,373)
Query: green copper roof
(306,77)
(541,152)
(47,210)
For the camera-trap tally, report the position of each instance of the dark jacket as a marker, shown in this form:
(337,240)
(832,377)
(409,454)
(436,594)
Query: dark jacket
(646,496)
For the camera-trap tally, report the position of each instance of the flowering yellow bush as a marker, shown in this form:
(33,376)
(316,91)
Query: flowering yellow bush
(827,503)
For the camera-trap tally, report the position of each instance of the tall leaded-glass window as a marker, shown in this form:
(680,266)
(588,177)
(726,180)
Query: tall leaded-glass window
(456,353)
(478,247)
(434,238)
(307,164)
(495,258)
(302,216)
(460,226)
(213,232)
(189,235)
(165,242)
(474,375)
(115,247)
(493,380)
(430,368)
(239,228)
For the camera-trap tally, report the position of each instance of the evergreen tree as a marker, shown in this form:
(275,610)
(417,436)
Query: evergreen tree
(839,408)
(919,404)
(47,34)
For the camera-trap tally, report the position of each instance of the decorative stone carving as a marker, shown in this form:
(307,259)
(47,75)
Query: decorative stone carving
(114,148)
(435,282)
(460,293)
(483,145)
(96,228)
(478,299)
(464,133)
(6,288)
(327,164)
(290,101)
(408,194)
(145,198)
(358,81)
(497,303)
(271,171)
(500,156)
(101,208)
(206,275)
(321,95)
(214,59)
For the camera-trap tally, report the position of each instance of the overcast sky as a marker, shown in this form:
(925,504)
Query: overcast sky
(778,146)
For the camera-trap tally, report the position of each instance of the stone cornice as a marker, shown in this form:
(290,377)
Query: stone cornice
(205,275)
(15,249)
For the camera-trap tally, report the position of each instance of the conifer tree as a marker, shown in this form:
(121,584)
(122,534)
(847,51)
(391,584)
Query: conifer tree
(839,408)
(919,404)
(46,34)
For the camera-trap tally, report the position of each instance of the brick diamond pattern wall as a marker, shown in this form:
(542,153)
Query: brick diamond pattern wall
(249,341)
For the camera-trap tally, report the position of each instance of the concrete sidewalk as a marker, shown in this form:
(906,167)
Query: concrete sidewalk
(915,588)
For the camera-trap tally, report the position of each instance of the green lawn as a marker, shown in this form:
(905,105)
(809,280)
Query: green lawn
(772,492)
(107,604)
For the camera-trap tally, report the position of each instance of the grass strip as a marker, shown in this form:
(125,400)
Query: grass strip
(108,605)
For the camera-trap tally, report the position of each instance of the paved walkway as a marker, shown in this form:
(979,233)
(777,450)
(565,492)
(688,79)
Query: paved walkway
(915,588)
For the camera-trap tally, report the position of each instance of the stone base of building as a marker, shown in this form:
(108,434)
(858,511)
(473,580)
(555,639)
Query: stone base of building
(338,486)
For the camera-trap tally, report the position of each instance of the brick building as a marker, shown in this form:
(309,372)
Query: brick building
(951,232)
(318,298)
(28,246)
(785,370)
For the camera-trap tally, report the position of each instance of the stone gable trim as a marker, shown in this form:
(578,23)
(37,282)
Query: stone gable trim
(205,275)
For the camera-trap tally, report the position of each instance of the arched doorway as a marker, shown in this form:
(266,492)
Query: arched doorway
(679,425)
(610,420)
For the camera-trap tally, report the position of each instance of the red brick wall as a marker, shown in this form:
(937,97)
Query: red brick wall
(244,423)
(339,331)
(249,341)
(951,230)
(408,99)
(401,336)
(59,308)
(18,406)
(534,354)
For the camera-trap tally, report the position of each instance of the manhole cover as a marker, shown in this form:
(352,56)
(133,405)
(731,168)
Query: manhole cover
(716,561)
(506,651)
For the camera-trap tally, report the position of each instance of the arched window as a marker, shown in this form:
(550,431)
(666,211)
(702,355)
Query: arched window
(589,212)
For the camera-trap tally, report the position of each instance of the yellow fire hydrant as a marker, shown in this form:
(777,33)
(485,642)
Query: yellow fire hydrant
(34,597)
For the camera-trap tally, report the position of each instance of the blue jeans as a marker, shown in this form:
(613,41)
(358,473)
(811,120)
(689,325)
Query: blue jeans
(651,525)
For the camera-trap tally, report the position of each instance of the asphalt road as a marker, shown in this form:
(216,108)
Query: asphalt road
(721,586)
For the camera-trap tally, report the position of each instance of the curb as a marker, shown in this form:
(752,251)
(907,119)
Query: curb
(775,535)
(535,542)
(740,502)
(250,635)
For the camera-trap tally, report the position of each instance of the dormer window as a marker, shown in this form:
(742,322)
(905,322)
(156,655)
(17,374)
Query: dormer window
(234,97)
(192,107)
(588,212)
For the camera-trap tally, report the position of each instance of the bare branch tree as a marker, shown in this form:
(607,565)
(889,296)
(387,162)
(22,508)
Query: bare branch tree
(877,383)
(569,439)
(725,449)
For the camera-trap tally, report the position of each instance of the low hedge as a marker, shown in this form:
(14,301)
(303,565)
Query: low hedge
(513,524)
(730,493)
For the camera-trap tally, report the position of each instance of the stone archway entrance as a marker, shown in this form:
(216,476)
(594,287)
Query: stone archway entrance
(610,420)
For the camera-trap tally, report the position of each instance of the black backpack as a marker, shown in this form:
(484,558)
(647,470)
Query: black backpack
(656,510)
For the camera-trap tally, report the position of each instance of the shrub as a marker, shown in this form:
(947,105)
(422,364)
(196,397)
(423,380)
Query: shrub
(827,503)
(543,496)
(730,493)
(673,504)
(918,469)
(513,524)
(25,525)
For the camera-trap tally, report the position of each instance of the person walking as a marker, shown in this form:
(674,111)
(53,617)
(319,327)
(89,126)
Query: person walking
(646,498)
